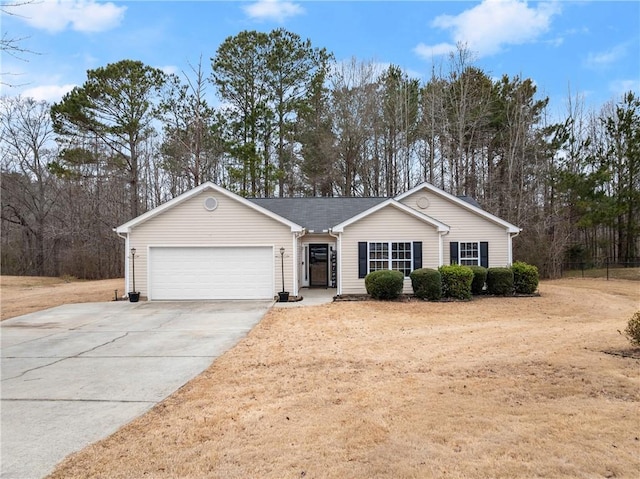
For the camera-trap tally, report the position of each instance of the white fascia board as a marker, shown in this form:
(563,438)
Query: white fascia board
(126,228)
(454,199)
(395,204)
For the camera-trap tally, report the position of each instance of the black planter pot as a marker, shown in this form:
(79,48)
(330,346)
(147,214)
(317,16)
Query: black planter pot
(134,297)
(283,296)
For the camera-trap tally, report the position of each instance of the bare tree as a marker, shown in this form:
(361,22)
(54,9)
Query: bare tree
(353,87)
(9,44)
(28,190)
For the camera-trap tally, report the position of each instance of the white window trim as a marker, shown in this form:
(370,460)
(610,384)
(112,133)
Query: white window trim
(460,258)
(390,258)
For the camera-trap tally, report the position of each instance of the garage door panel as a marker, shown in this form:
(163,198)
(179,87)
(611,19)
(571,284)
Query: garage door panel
(192,273)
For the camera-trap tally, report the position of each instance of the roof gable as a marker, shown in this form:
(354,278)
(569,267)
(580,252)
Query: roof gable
(462,202)
(441,227)
(208,186)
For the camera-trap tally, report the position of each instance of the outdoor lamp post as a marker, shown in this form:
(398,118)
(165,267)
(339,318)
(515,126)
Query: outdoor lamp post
(133,295)
(284,296)
(133,265)
(282,265)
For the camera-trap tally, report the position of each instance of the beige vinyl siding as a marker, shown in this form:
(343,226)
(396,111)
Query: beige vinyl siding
(230,224)
(387,224)
(466,226)
(313,238)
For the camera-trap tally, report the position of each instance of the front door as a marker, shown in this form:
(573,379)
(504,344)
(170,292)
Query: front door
(319,265)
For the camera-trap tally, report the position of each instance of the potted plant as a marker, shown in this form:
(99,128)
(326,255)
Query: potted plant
(283,296)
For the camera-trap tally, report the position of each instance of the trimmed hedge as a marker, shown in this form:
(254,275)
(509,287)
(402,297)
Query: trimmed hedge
(479,279)
(500,281)
(426,283)
(456,281)
(384,284)
(525,277)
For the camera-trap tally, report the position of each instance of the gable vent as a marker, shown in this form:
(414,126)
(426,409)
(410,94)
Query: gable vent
(423,202)
(210,203)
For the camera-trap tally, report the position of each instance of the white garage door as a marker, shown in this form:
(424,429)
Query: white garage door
(210,273)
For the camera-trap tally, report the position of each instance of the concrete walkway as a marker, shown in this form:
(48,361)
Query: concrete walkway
(75,374)
(311,297)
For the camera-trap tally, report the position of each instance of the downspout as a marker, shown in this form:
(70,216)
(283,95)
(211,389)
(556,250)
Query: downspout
(296,265)
(511,236)
(441,247)
(338,238)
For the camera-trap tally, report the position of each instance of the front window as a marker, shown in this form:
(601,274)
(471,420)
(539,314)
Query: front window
(391,255)
(469,254)
(378,256)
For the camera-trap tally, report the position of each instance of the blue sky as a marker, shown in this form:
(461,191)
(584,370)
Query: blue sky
(591,48)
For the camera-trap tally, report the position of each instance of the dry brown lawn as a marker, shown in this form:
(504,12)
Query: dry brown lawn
(26,294)
(492,388)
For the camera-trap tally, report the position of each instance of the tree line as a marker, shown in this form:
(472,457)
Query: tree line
(276,116)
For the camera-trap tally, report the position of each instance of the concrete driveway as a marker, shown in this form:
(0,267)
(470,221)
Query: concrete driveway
(74,374)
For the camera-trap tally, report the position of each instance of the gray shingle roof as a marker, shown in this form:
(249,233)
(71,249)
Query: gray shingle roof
(470,200)
(317,214)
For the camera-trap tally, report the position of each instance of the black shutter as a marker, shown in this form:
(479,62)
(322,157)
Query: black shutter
(362,259)
(453,252)
(484,254)
(417,254)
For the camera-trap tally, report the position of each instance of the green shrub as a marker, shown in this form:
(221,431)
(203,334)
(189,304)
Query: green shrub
(456,281)
(384,284)
(426,283)
(525,277)
(633,329)
(500,281)
(479,279)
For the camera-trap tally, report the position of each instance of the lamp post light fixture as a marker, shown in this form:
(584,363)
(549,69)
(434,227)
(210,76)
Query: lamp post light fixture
(134,296)
(282,265)
(284,295)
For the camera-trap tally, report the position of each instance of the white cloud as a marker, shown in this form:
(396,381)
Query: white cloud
(49,93)
(430,51)
(489,26)
(80,15)
(273,10)
(606,58)
(620,87)
(170,69)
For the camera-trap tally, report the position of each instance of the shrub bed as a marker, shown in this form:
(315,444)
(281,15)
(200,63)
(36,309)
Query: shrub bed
(384,284)
(479,279)
(632,332)
(500,281)
(525,278)
(426,283)
(456,281)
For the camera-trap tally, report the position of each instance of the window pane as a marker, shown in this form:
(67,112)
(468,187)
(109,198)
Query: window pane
(400,250)
(390,255)
(403,266)
(469,254)
(401,257)
(378,256)
(377,265)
